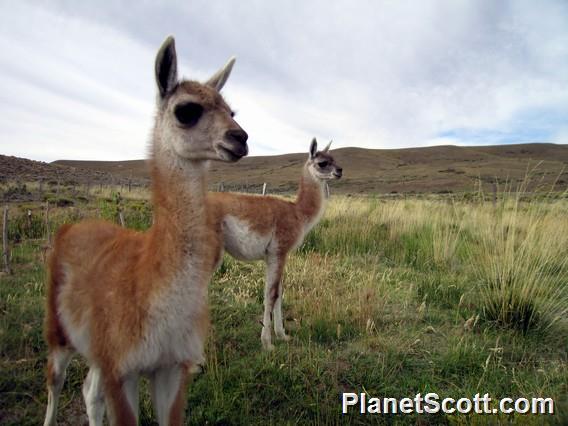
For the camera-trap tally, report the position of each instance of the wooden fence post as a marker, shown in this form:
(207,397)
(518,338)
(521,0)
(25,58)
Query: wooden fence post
(5,253)
(119,206)
(264,188)
(47,232)
(57,187)
(29,222)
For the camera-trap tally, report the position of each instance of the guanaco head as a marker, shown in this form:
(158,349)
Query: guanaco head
(193,120)
(321,164)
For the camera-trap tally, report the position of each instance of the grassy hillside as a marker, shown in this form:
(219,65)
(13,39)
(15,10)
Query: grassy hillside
(391,297)
(432,169)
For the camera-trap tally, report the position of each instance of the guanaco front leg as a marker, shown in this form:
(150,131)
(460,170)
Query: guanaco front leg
(94,397)
(167,389)
(121,395)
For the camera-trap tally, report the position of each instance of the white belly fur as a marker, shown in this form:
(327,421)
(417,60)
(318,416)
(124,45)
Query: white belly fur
(171,336)
(241,242)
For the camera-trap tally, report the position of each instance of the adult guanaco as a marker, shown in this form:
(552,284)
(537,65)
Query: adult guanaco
(135,303)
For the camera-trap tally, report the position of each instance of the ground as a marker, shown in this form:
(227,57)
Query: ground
(386,296)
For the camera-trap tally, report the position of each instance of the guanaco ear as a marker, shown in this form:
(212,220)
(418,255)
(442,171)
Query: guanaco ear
(166,67)
(327,147)
(218,80)
(313,148)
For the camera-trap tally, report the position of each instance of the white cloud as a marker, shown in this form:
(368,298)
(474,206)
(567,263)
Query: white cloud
(76,78)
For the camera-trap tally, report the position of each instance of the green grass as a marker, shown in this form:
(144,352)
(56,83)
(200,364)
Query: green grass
(388,297)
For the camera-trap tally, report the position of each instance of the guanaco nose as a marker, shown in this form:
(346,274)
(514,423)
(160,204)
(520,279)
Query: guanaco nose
(237,138)
(237,135)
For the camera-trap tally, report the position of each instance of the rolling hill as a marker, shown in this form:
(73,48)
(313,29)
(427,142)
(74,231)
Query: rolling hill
(431,169)
(418,170)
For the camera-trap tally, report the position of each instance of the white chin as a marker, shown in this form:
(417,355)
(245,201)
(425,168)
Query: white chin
(221,154)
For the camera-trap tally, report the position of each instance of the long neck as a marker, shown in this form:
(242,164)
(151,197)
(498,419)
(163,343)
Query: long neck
(178,196)
(178,193)
(310,200)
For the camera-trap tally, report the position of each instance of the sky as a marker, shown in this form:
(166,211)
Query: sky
(76,78)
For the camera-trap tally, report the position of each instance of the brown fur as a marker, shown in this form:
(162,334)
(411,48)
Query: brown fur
(49,373)
(267,213)
(276,284)
(54,332)
(176,412)
(137,266)
(208,97)
(119,409)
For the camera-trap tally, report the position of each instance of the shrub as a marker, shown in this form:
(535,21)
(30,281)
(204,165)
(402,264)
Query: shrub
(23,226)
(521,266)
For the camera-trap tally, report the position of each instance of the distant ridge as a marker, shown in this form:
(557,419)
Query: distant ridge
(429,169)
(24,170)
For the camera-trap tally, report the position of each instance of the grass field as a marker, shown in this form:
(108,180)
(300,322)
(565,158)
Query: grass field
(389,297)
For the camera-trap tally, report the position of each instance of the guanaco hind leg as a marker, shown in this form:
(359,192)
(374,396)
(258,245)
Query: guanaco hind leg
(278,320)
(274,268)
(58,360)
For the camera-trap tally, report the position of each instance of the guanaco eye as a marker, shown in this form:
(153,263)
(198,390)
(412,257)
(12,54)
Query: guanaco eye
(323,164)
(188,114)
